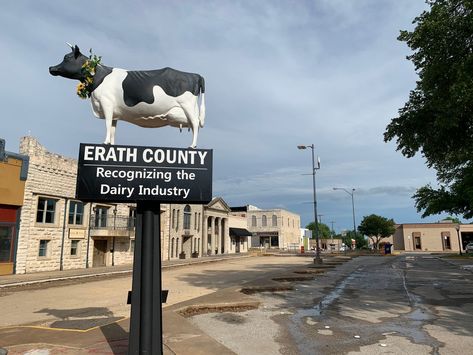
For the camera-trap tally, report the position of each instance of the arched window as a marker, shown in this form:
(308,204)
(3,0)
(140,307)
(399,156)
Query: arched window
(177,247)
(173,219)
(253,221)
(264,221)
(275,220)
(172,247)
(187,217)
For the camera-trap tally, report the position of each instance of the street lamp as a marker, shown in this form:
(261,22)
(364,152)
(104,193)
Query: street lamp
(352,205)
(457,227)
(317,259)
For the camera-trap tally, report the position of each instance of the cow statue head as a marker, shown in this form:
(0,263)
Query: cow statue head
(71,66)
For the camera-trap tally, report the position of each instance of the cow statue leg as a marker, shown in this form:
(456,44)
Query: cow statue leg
(112,132)
(193,120)
(108,113)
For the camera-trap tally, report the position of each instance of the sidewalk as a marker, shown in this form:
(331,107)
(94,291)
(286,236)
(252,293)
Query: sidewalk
(52,276)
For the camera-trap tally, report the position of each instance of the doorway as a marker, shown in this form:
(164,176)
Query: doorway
(100,251)
(417,243)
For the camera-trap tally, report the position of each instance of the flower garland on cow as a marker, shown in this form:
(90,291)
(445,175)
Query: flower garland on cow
(85,87)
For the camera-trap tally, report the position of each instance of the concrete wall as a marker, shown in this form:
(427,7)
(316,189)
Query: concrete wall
(436,237)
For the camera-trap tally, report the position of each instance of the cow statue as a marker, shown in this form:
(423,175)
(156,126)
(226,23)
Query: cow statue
(147,98)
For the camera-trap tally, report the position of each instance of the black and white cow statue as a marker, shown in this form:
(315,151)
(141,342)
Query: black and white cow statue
(147,98)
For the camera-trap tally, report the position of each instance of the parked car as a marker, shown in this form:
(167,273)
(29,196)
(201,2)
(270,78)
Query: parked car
(469,248)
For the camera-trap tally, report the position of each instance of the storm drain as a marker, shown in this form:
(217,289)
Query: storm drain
(217,308)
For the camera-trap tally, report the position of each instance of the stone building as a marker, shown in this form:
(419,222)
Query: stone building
(59,232)
(202,230)
(271,228)
(13,174)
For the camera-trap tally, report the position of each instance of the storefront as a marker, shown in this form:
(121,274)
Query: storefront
(13,173)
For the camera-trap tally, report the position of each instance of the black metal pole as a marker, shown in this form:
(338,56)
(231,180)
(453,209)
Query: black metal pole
(459,243)
(317,249)
(146,334)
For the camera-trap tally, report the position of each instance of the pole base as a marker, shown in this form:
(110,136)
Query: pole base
(318,260)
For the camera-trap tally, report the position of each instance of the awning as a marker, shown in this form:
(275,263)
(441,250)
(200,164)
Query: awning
(239,232)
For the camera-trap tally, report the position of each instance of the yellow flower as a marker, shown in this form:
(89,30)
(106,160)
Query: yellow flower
(90,80)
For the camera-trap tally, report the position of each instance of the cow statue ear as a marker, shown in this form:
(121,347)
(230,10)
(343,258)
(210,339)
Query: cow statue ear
(76,51)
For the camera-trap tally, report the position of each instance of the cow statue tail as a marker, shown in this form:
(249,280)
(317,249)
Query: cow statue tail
(202,102)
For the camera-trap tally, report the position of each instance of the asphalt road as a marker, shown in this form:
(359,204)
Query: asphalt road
(411,304)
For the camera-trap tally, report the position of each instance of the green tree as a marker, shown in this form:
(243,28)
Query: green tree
(452,219)
(376,228)
(437,120)
(360,240)
(324,230)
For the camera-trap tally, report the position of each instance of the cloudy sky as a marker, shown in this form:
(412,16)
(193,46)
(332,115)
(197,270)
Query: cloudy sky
(278,74)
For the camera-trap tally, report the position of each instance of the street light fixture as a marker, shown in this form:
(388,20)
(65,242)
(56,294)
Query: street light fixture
(457,227)
(317,259)
(352,205)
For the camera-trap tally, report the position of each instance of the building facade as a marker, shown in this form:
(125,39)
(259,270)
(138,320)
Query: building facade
(59,232)
(443,236)
(271,228)
(13,174)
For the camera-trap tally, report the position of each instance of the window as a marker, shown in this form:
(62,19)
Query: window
(275,220)
(74,247)
(195,220)
(132,218)
(43,248)
(6,244)
(177,219)
(101,216)
(198,222)
(187,217)
(173,224)
(76,212)
(172,247)
(264,221)
(46,209)
(253,221)
(177,247)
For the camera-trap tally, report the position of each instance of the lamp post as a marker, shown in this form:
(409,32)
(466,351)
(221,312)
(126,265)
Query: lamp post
(352,205)
(457,227)
(317,259)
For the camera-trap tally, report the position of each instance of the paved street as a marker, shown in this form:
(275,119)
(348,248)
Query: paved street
(410,304)
(414,304)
